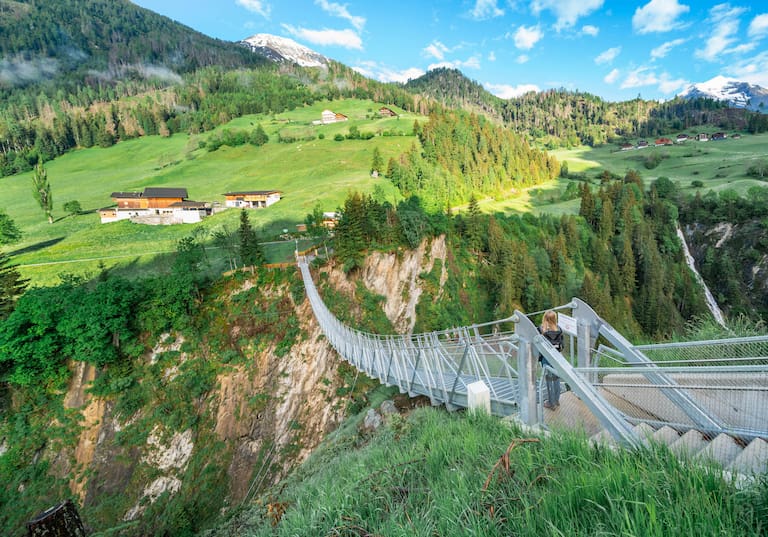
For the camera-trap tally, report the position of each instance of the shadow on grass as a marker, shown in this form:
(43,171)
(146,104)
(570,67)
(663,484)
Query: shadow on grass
(37,246)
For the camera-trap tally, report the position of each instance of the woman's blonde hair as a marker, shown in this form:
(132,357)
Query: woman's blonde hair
(549,322)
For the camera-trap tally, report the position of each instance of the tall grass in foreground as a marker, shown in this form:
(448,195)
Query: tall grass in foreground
(439,474)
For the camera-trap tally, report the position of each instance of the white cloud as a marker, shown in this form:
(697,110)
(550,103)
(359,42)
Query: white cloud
(523,58)
(588,29)
(658,16)
(257,6)
(486,9)
(527,36)
(759,26)
(753,70)
(668,85)
(506,91)
(662,50)
(639,77)
(342,38)
(436,50)
(491,56)
(383,74)
(566,11)
(337,10)
(724,23)
(608,56)
(611,77)
(470,63)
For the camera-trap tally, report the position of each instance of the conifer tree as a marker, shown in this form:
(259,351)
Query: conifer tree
(376,163)
(12,285)
(9,232)
(251,253)
(41,190)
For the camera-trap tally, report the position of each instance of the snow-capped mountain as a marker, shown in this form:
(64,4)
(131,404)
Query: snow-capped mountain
(738,94)
(281,49)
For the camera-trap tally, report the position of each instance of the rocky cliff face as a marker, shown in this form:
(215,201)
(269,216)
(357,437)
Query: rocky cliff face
(261,417)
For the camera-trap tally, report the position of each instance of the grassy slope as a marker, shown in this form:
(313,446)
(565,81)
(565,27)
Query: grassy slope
(436,473)
(318,171)
(308,172)
(718,165)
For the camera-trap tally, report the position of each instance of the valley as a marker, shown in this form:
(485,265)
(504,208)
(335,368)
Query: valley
(174,380)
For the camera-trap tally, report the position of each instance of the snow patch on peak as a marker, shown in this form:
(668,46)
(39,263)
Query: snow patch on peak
(737,93)
(281,49)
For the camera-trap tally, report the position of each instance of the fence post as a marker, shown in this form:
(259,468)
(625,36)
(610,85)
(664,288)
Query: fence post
(526,367)
(587,327)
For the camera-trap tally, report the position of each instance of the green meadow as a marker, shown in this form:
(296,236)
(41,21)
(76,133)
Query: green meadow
(718,165)
(309,172)
(313,169)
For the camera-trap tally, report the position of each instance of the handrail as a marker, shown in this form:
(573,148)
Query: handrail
(442,363)
(437,364)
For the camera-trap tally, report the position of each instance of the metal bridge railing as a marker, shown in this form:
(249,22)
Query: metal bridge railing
(715,387)
(727,379)
(437,364)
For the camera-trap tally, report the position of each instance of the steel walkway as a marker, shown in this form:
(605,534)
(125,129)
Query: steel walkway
(730,376)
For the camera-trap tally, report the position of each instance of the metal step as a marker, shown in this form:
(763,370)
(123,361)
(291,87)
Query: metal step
(753,459)
(689,444)
(722,450)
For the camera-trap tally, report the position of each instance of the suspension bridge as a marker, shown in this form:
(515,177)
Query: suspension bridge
(705,399)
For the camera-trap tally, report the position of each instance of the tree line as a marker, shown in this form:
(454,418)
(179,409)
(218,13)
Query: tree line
(621,255)
(562,118)
(463,154)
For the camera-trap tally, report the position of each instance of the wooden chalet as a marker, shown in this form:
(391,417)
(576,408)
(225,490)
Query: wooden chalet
(387,112)
(252,199)
(329,116)
(662,141)
(155,205)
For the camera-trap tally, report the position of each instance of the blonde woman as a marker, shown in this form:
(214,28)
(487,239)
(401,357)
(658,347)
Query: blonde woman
(554,335)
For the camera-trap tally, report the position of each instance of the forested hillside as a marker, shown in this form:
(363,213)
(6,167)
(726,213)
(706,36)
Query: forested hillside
(463,155)
(67,43)
(561,118)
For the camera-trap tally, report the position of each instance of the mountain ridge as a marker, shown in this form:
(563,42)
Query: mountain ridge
(736,93)
(281,49)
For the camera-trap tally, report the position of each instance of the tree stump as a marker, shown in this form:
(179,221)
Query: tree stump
(61,520)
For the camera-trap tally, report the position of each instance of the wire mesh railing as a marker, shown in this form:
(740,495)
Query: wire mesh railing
(713,388)
(439,365)
(727,379)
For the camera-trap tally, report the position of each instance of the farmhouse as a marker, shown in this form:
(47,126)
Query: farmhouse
(330,219)
(627,147)
(719,136)
(642,144)
(662,141)
(157,206)
(329,116)
(702,137)
(387,112)
(253,199)
(681,138)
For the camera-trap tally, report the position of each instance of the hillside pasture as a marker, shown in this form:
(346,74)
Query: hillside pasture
(718,165)
(310,172)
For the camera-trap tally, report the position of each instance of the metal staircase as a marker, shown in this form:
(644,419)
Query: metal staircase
(708,399)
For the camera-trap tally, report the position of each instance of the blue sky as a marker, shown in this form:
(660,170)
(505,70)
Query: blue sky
(616,50)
